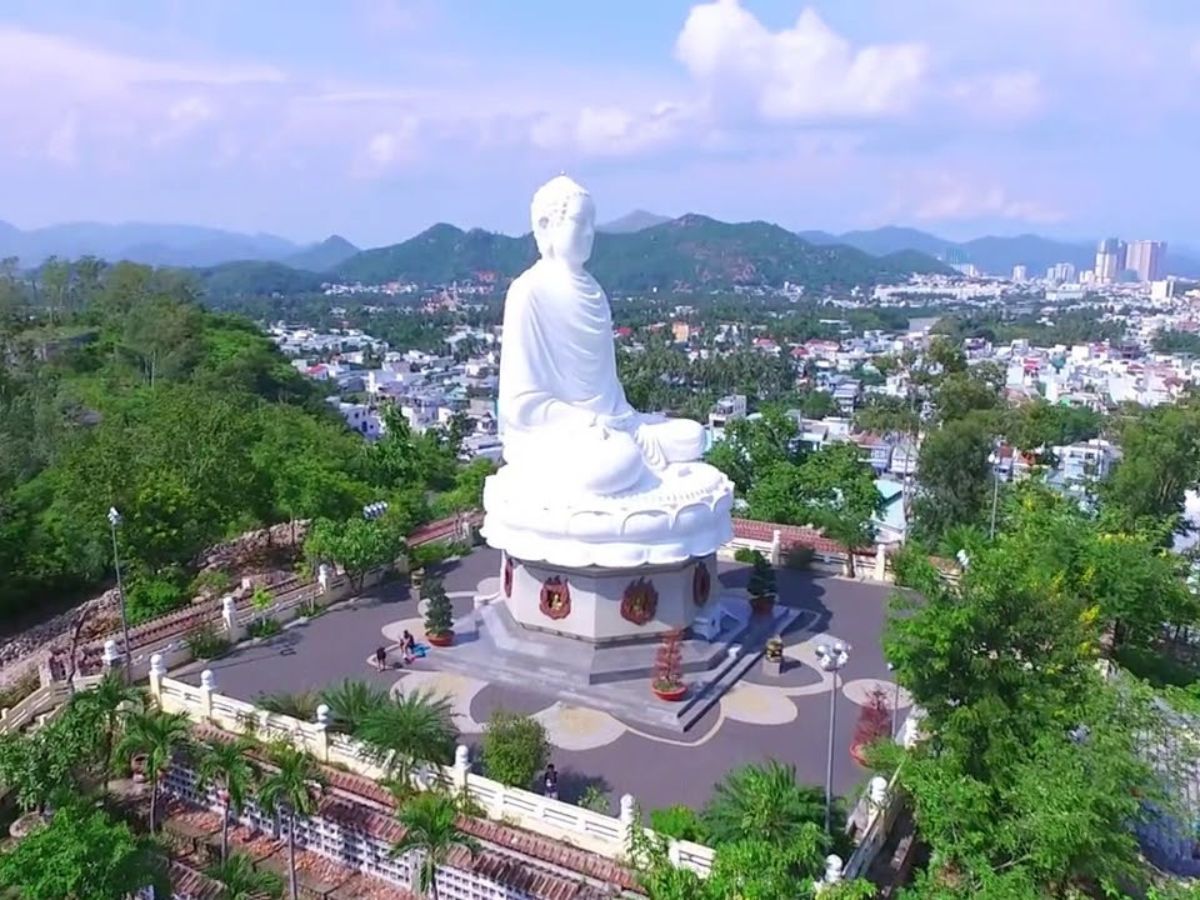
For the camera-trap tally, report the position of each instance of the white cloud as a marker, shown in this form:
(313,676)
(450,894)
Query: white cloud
(1002,96)
(946,198)
(805,72)
(609,130)
(61,146)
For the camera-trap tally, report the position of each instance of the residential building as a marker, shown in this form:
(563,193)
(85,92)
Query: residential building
(1020,274)
(1110,260)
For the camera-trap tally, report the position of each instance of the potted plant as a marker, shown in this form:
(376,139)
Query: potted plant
(439,614)
(668,669)
(762,586)
(874,723)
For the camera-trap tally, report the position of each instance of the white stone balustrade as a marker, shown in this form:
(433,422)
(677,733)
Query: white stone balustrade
(555,819)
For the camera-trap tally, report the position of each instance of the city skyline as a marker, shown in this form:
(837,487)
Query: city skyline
(379,119)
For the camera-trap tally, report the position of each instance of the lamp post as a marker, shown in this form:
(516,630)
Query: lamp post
(114,519)
(373,511)
(895,697)
(832,660)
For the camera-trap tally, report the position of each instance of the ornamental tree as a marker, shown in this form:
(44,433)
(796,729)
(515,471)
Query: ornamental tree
(515,748)
(439,614)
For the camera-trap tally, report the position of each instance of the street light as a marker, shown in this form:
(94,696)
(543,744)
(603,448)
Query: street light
(114,519)
(373,511)
(832,660)
(895,697)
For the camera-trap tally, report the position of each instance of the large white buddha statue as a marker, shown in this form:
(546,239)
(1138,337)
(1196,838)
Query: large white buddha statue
(562,411)
(588,479)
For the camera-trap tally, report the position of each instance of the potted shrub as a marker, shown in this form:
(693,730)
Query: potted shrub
(874,724)
(439,614)
(668,669)
(762,586)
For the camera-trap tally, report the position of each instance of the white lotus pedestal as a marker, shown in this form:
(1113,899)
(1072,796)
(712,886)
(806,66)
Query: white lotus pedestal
(588,586)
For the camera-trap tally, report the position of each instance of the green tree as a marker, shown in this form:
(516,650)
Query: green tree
(763,801)
(82,855)
(291,790)
(156,736)
(430,821)
(515,748)
(351,701)
(439,615)
(413,728)
(753,446)
(239,879)
(356,544)
(954,476)
(110,700)
(228,766)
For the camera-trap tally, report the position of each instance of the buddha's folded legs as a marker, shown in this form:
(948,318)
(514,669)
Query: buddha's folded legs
(584,460)
(664,440)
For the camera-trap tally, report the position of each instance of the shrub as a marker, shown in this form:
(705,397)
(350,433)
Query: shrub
(800,558)
(745,554)
(262,600)
(205,643)
(515,749)
(668,663)
(14,693)
(264,628)
(150,596)
(911,566)
(762,578)
(678,821)
(301,705)
(211,581)
(595,798)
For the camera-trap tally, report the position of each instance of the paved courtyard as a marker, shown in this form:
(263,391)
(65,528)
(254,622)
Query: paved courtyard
(760,718)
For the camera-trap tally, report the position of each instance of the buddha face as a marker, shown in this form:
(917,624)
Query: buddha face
(564,222)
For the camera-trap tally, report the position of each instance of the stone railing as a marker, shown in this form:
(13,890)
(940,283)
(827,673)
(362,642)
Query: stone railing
(43,703)
(877,809)
(594,832)
(774,541)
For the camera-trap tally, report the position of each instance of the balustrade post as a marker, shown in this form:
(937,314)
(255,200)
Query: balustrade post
(157,670)
(322,733)
(229,619)
(628,819)
(462,767)
(208,686)
(776,553)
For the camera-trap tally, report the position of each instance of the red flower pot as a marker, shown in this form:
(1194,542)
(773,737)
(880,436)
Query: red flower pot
(762,606)
(674,695)
(445,639)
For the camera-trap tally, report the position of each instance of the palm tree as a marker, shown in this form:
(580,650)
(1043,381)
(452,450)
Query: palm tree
(351,701)
(430,821)
(241,881)
(410,729)
(109,701)
(155,735)
(301,705)
(291,790)
(228,766)
(763,801)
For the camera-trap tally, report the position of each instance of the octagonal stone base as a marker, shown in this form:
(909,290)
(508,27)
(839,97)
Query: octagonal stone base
(607,605)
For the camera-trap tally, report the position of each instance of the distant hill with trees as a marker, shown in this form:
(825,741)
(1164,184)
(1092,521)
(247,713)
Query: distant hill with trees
(692,252)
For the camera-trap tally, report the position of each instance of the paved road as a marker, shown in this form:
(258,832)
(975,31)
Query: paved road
(658,769)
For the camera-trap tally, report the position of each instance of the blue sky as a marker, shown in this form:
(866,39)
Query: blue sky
(376,118)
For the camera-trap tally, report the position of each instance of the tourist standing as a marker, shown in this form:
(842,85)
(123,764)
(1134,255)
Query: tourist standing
(550,781)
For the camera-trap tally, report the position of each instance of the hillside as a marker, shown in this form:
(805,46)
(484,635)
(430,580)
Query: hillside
(690,253)
(637,220)
(149,243)
(324,256)
(253,278)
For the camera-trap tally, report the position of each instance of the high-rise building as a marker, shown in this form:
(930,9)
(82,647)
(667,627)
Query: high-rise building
(1020,274)
(1110,260)
(1146,259)
(1061,273)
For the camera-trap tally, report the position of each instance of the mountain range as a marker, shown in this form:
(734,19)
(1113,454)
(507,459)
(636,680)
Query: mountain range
(692,252)
(639,251)
(165,245)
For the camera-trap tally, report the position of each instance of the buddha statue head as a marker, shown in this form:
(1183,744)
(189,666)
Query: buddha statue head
(564,221)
